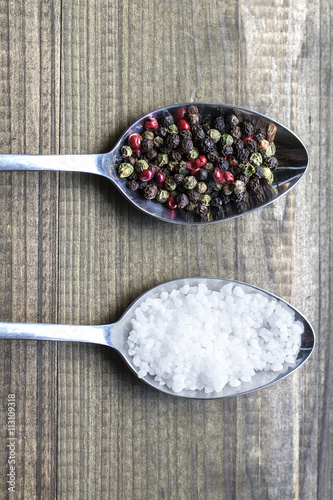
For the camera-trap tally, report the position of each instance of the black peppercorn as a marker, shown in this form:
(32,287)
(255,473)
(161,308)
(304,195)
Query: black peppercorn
(202,175)
(186,145)
(132,184)
(219,124)
(182,200)
(150,191)
(251,145)
(146,145)
(207,144)
(248,128)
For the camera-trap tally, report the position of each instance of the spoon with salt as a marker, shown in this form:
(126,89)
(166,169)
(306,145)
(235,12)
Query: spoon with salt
(290,152)
(116,336)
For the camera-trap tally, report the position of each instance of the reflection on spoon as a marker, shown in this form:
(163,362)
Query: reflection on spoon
(116,336)
(290,152)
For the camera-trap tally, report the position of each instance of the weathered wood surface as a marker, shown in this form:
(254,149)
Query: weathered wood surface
(74,75)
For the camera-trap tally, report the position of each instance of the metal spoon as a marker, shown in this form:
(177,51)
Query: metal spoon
(290,152)
(115,335)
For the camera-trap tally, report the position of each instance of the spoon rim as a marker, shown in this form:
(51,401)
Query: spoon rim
(280,375)
(122,187)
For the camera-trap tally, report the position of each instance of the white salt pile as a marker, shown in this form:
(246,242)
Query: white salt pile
(197,339)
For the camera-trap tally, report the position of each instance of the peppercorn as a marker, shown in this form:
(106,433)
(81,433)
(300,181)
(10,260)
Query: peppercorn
(173,129)
(256,159)
(193,195)
(202,175)
(172,165)
(162,195)
(209,167)
(248,169)
(238,187)
(271,132)
(214,135)
(162,159)
(233,120)
(219,124)
(271,162)
(132,185)
(182,200)
(146,175)
(141,165)
(227,189)
(147,135)
(146,145)
(270,151)
(251,145)
(190,182)
(178,178)
(212,155)
(216,202)
(206,200)
(158,142)
(248,128)
(227,139)
(151,155)
(125,169)
(236,133)
(182,168)
(201,187)
(198,133)
(207,144)
(150,191)
(176,156)
(259,172)
(227,150)
(201,210)
(170,184)
(186,145)
(268,175)
(126,151)
(191,206)
(167,120)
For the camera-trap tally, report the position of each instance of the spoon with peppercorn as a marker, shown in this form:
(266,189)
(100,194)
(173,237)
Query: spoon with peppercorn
(192,163)
(173,339)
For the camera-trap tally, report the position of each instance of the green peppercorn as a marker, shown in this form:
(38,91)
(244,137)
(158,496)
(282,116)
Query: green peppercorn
(172,166)
(227,189)
(162,159)
(190,182)
(173,129)
(248,169)
(125,170)
(162,195)
(256,159)
(193,154)
(238,187)
(218,186)
(209,167)
(170,184)
(205,200)
(182,168)
(158,142)
(270,151)
(126,151)
(268,175)
(227,140)
(214,135)
(147,135)
(141,165)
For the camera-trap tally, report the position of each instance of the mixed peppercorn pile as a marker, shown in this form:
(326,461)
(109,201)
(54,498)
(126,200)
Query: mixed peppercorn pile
(201,163)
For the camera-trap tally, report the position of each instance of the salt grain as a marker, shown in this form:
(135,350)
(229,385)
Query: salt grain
(197,339)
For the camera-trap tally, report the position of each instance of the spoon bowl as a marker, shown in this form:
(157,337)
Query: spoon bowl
(290,152)
(116,335)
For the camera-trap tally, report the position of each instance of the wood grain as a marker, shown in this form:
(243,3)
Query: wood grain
(74,75)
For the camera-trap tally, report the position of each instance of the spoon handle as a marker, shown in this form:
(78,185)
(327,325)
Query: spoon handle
(95,334)
(67,163)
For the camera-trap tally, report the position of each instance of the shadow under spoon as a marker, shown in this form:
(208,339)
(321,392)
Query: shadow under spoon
(290,152)
(116,336)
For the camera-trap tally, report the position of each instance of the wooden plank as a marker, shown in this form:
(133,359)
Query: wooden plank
(30,78)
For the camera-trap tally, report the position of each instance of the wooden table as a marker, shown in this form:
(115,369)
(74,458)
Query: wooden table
(74,75)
